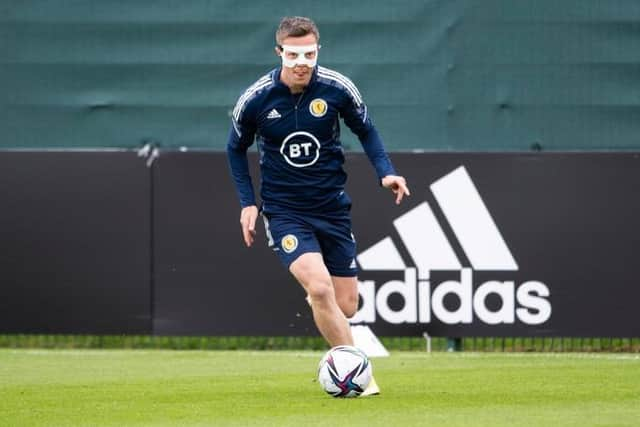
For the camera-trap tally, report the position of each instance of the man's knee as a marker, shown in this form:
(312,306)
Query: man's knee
(320,291)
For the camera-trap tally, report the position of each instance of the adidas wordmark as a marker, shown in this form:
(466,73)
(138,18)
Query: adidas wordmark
(430,250)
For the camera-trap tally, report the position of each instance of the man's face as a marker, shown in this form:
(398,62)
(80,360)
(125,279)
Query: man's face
(300,74)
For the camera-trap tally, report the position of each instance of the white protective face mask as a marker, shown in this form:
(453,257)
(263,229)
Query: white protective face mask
(300,55)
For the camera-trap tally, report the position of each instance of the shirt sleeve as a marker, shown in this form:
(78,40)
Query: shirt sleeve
(241,137)
(356,117)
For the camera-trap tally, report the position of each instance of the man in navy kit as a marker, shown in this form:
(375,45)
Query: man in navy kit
(294,111)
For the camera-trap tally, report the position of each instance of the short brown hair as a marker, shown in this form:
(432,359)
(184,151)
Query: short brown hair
(296,26)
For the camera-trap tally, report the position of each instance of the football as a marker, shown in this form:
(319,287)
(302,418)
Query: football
(344,371)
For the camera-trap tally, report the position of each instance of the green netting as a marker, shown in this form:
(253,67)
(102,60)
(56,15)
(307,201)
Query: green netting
(437,75)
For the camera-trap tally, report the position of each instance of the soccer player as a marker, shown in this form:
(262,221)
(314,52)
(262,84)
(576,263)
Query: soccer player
(294,111)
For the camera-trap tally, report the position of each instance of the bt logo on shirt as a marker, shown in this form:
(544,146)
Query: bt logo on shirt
(300,149)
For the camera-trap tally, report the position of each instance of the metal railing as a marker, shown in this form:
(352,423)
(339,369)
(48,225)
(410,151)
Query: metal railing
(473,344)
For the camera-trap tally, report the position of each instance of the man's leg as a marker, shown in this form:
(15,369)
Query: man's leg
(346,289)
(312,274)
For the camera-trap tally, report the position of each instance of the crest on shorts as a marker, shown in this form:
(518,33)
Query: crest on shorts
(289,243)
(318,107)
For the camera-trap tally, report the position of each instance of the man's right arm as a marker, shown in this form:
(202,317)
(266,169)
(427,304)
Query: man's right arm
(241,137)
(237,147)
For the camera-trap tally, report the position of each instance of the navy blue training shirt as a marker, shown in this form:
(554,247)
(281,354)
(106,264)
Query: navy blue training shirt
(301,155)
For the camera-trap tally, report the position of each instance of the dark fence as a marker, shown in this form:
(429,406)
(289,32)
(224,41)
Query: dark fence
(488,245)
(75,243)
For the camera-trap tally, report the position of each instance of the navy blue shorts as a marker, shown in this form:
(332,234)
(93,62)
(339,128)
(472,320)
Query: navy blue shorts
(292,234)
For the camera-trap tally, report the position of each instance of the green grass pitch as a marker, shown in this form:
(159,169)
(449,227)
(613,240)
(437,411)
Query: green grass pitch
(278,388)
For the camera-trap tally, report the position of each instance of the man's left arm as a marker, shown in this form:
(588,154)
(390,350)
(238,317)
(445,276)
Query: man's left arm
(356,116)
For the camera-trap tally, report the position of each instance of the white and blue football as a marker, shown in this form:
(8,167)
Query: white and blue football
(344,371)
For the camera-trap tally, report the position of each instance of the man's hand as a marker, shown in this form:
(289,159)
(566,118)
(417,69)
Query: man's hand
(398,185)
(248,218)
